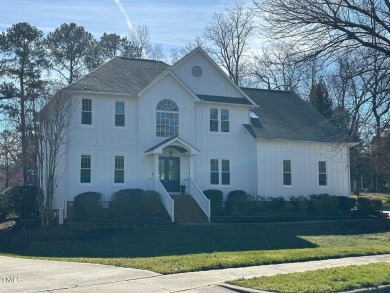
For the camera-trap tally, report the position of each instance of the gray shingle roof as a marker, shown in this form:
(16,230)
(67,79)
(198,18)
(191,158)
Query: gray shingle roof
(120,75)
(284,116)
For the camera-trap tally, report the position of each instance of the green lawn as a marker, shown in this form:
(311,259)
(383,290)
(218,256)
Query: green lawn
(181,248)
(322,281)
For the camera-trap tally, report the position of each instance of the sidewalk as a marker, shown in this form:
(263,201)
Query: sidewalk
(27,275)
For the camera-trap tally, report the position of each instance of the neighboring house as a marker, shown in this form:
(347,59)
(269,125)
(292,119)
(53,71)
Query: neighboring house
(145,124)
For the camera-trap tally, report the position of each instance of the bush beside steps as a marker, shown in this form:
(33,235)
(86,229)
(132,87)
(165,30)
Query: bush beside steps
(126,206)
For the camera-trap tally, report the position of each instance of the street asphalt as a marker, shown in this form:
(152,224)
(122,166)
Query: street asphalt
(31,275)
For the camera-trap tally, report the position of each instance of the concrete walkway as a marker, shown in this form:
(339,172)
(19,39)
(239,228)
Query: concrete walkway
(27,275)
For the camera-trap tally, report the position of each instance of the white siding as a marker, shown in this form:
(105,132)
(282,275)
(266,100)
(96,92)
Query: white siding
(237,146)
(210,83)
(304,158)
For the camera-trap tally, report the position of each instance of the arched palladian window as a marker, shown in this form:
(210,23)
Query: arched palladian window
(167,119)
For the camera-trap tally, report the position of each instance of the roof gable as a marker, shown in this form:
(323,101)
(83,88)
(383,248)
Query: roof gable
(120,75)
(163,75)
(212,80)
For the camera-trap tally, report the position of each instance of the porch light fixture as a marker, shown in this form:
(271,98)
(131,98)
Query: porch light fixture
(170,153)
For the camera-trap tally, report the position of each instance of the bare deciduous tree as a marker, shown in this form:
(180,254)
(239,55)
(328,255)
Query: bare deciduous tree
(229,37)
(178,53)
(328,25)
(53,122)
(277,67)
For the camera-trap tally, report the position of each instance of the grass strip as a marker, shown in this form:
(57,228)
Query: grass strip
(219,260)
(325,280)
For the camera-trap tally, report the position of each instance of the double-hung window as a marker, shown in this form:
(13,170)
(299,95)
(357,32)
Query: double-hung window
(219,120)
(219,172)
(86,111)
(214,120)
(224,120)
(119,113)
(225,172)
(85,169)
(214,172)
(287,180)
(322,180)
(119,172)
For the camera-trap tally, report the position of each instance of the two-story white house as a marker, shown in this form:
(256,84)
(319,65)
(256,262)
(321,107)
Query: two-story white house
(145,124)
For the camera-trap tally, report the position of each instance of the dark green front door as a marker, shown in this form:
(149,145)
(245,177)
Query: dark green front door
(170,173)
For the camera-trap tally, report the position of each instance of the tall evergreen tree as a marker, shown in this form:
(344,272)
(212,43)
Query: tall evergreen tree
(68,45)
(320,100)
(21,64)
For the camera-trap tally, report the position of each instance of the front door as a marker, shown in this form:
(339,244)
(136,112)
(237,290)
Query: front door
(170,173)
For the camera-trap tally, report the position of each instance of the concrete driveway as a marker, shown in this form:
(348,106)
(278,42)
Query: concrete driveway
(27,275)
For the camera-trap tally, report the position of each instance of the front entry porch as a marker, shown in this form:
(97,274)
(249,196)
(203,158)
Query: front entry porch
(173,163)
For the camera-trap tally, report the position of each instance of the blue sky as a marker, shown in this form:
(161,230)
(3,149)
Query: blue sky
(172,23)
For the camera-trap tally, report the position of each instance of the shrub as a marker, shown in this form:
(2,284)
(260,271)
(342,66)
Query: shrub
(363,205)
(326,205)
(237,202)
(276,203)
(128,204)
(215,196)
(20,200)
(345,204)
(376,205)
(257,204)
(369,206)
(153,207)
(297,200)
(87,206)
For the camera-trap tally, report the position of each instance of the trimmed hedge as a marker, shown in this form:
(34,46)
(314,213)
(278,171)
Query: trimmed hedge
(216,199)
(137,205)
(20,200)
(87,206)
(153,207)
(237,202)
(127,204)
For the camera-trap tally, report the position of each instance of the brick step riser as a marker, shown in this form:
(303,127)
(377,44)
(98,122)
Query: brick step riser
(187,210)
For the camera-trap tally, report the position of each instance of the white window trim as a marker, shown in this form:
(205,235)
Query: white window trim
(93,101)
(220,173)
(113,170)
(155,122)
(114,113)
(326,173)
(219,132)
(291,172)
(79,173)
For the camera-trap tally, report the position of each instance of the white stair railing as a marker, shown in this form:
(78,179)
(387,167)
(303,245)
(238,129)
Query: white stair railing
(200,198)
(165,199)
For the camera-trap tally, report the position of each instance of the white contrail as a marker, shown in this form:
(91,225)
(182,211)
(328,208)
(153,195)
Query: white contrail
(129,24)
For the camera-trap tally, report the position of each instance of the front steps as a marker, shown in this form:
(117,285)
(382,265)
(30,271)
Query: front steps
(187,210)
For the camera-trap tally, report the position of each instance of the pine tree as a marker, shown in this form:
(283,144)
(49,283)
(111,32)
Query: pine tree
(320,100)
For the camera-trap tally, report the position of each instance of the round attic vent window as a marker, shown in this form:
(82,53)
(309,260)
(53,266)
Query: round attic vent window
(196,71)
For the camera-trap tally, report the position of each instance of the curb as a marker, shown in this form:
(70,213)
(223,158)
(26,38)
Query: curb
(379,289)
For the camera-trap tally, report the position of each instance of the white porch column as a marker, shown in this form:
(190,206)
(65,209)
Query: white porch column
(156,168)
(191,171)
